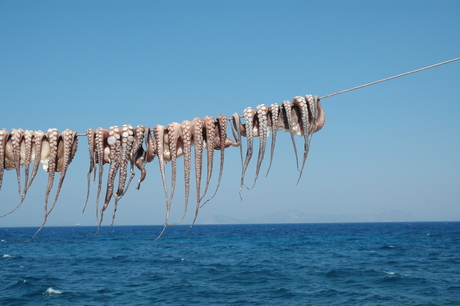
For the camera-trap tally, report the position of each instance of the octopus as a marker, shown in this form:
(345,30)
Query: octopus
(249,131)
(127,148)
(303,117)
(54,150)
(176,140)
(117,147)
(273,118)
(221,143)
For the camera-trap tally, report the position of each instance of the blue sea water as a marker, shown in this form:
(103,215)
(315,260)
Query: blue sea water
(271,264)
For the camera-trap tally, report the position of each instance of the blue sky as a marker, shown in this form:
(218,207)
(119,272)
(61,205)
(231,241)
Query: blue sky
(392,146)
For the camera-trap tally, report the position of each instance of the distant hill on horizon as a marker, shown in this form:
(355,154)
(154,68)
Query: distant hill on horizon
(295,216)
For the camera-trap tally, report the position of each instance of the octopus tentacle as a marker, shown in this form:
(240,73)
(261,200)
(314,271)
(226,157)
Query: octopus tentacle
(301,106)
(4,135)
(274,120)
(321,119)
(91,136)
(238,131)
(69,143)
(287,112)
(196,128)
(114,144)
(39,138)
(223,142)
(146,156)
(262,119)
(16,140)
(28,155)
(102,157)
(150,145)
(209,142)
(51,164)
(159,135)
(248,114)
(174,136)
(137,151)
(187,152)
(127,140)
(312,104)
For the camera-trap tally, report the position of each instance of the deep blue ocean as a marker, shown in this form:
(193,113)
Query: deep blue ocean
(271,264)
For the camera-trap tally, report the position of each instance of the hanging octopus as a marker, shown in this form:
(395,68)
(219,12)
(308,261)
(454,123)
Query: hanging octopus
(53,150)
(127,148)
(302,117)
(116,147)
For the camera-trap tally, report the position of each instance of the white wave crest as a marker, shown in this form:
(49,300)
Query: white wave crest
(6,255)
(51,291)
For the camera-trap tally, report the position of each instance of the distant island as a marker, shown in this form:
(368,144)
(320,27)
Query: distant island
(295,216)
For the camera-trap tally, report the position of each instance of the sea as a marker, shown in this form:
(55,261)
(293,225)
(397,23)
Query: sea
(415,263)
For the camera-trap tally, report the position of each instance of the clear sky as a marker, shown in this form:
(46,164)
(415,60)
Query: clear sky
(392,146)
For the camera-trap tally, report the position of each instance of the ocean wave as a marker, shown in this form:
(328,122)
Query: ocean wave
(19,284)
(51,291)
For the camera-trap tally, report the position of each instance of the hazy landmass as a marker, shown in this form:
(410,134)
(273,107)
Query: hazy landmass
(295,216)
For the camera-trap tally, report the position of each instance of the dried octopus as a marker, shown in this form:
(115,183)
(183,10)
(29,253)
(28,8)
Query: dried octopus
(53,150)
(127,148)
(118,146)
(303,117)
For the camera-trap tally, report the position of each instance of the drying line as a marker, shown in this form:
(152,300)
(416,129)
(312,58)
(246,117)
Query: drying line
(390,78)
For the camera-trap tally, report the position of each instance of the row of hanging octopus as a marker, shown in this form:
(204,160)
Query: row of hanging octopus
(128,147)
